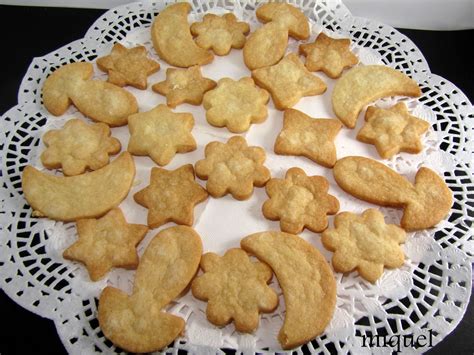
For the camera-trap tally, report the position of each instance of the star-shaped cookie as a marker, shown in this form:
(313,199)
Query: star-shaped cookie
(299,201)
(79,146)
(184,86)
(235,288)
(171,196)
(128,66)
(365,243)
(309,137)
(329,55)
(161,133)
(105,243)
(288,81)
(220,33)
(236,104)
(232,167)
(392,130)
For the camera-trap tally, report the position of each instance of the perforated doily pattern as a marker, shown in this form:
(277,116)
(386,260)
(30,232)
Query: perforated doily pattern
(429,293)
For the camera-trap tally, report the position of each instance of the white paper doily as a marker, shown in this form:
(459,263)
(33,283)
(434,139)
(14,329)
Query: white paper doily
(430,291)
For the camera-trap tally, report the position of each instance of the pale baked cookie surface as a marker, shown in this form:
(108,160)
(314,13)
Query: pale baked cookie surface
(425,203)
(220,33)
(137,323)
(161,133)
(96,99)
(184,86)
(232,167)
(307,281)
(288,81)
(171,196)
(105,243)
(83,196)
(299,201)
(235,288)
(365,243)
(392,130)
(172,38)
(236,104)
(366,83)
(78,146)
(309,137)
(128,66)
(328,55)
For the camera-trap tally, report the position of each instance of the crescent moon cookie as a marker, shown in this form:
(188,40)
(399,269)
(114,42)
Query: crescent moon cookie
(392,130)
(299,201)
(171,196)
(105,243)
(235,288)
(128,66)
(220,33)
(232,167)
(82,196)
(161,133)
(79,146)
(364,243)
(309,137)
(424,203)
(137,323)
(267,45)
(307,281)
(329,55)
(172,38)
(288,81)
(364,84)
(236,104)
(98,100)
(184,86)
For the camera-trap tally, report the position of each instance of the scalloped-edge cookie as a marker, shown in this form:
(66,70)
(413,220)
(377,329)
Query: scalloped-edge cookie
(299,201)
(235,288)
(78,146)
(364,243)
(220,33)
(236,104)
(128,66)
(232,167)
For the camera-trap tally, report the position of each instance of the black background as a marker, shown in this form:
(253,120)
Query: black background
(29,32)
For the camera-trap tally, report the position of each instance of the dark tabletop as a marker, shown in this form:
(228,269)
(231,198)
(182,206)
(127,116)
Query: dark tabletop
(29,32)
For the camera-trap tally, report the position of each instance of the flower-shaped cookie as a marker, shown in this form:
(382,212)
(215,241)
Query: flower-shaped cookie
(232,167)
(309,137)
(171,196)
(160,134)
(328,55)
(105,243)
(184,86)
(236,104)
(128,66)
(299,201)
(392,130)
(79,146)
(220,33)
(236,289)
(288,81)
(364,243)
